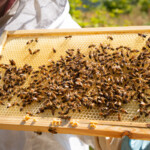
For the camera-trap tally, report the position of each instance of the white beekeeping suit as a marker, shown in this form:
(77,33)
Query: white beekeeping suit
(36,14)
(48,14)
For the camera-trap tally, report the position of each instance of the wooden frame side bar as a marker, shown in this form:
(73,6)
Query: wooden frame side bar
(3,39)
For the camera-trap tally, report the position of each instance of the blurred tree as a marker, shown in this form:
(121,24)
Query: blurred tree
(94,13)
(118,6)
(145,5)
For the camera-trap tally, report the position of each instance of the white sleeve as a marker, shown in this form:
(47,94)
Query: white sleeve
(35,14)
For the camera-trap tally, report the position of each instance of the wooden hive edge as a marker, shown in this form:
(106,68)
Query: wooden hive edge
(3,39)
(101,30)
(17,123)
(104,128)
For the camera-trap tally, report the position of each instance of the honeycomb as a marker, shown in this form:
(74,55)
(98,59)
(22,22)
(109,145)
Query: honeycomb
(15,48)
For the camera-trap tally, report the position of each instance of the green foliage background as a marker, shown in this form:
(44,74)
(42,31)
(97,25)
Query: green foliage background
(95,13)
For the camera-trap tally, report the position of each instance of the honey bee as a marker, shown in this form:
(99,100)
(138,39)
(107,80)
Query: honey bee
(41,109)
(69,53)
(27,43)
(64,113)
(92,45)
(54,50)
(52,130)
(127,48)
(36,51)
(144,48)
(49,104)
(30,51)
(134,51)
(148,44)
(147,113)
(123,110)
(68,37)
(135,118)
(9,98)
(29,113)
(31,41)
(110,37)
(36,40)
(120,47)
(112,48)
(118,97)
(141,111)
(66,117)
(122,54)
(35,72)
(8,105)
(78,51)
(142,35)
(62,106)
(90,55)
(141,103)
(12,62)
(21,108)
(38,132)
(106,114)
(147,105)
(2,103)
(127,54)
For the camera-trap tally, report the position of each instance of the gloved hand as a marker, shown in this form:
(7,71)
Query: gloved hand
(129,144)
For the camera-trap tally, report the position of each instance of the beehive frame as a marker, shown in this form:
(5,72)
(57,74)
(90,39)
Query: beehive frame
(136,130)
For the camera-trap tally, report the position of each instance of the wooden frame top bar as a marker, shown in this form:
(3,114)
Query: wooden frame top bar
(101,30)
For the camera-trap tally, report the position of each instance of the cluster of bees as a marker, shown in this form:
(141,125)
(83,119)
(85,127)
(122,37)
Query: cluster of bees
(106,78)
